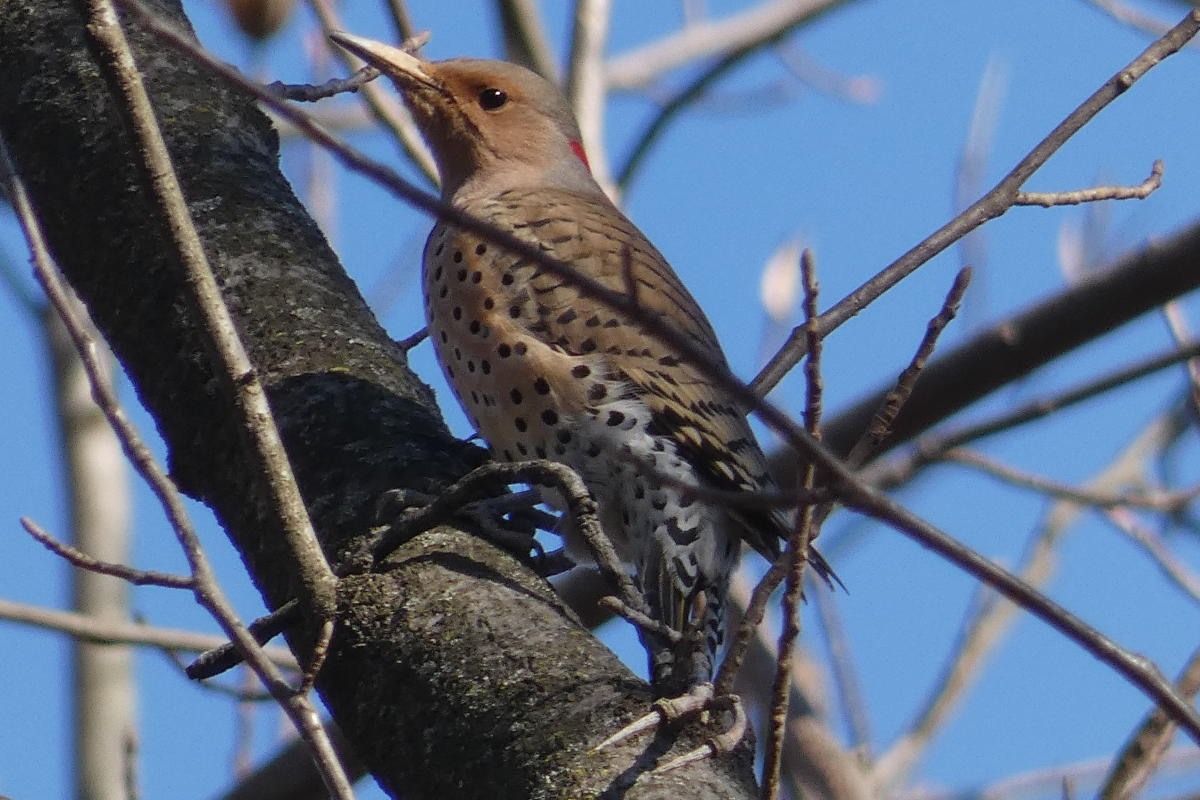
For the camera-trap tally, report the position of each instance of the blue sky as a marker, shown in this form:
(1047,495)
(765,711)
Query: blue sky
(731,181)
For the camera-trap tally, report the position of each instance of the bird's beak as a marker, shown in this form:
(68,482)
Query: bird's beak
(391,61)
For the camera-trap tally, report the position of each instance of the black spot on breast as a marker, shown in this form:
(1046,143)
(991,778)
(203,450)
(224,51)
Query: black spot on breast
(522,449)
(564,435)
(480,249)
(613,323)
(437,273)
(457,354)
(615,418)
(508,456)
(462,275)
(439,249)
(486,366)
(503,350)
(444,291)
(681,537)
(457,312)
(593,450)
(476,276)
(597,392)
(516,396)
(489,303)
(669,361)
(506,279)
(470,366)
(593,322)
(474,326)
(567,316)
(581,371)
(474,397)
(587,346)
(550,416)
(520,348)
(458,257)
(520,424)
(514,311)
(541,386)
(540,451)
(443,335)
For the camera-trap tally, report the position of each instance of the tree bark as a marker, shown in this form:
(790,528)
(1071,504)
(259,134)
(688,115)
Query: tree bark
(454,671)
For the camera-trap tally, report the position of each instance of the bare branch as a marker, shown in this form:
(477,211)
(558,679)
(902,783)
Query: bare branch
(997,201)
(802,534)
(881,425)
(1144,751)
(990,617)
(307,93)
(931,448)
(1139,192)
(745,31)
(585,82)
(90,629)
(78,558)
(525,37)
(384,108)
(1150,542)
(106,32)
(1164,502)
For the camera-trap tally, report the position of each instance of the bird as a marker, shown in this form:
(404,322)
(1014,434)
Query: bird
(545,371)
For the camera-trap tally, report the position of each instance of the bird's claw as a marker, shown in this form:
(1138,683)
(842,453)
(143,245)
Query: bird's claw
(698,700)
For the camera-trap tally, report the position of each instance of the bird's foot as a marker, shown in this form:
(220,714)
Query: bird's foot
(509,520)
(698,701)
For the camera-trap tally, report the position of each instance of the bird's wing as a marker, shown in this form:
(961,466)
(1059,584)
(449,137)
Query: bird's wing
(708,428)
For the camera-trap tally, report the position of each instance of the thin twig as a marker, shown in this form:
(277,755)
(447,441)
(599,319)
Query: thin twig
(900,393)
(585,82)
(1144,751)
(401,20)
(797,547)
(1139,192)
(409,342)
(525,37)
(100,631)
(991,617)
(993,204)
(78,558)
(221,339)
(226,655)
(1177,323)
(308,93)
(387,112)
(739,645)
(932,448)
(104,29)
(1164,502)
(743,32)
(1156,550)
(641,621)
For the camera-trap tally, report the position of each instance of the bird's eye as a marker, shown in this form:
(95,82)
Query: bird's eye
(491,99)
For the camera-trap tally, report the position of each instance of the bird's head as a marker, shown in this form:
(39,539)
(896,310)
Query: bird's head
(491,125)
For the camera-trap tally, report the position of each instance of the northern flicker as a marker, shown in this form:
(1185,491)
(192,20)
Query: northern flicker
(543,371)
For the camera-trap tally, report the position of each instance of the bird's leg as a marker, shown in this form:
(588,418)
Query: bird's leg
(695,651)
